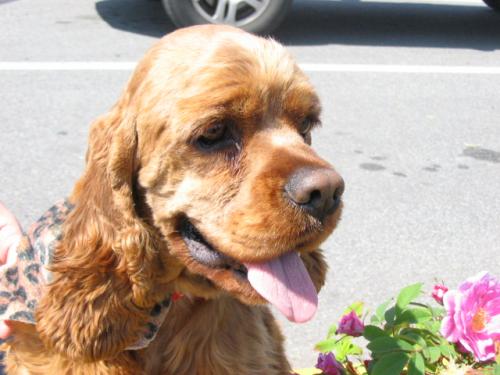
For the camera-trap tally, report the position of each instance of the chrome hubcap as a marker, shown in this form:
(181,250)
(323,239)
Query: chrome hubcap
(231,12)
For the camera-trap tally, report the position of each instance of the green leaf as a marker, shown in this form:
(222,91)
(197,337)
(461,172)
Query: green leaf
(340,347)
(390,316)
(387,344)
(416,365)
(391,364)
(355,350)
(407,295)
(447,350)
(433,325)
(435,353)
(372,332)
(438,312)
(380,311)
(383,344)
(497,368)
(405,345)
(413,336)
(332,331)
(414,315)
(432,353)
(326,346)
(343,348)
(357,307)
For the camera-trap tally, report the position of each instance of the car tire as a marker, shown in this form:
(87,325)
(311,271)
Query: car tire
(261,21)
(493,4)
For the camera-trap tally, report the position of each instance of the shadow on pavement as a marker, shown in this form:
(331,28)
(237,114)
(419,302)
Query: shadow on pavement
(391,24)
(349,22)
(136,16)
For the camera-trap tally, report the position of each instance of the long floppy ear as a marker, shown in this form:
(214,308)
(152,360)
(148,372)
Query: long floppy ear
(105,266)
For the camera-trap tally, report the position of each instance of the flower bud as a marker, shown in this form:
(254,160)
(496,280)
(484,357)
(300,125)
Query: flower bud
(351,325)
(438,293)
(329,365)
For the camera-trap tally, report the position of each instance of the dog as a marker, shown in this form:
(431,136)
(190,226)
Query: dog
(201,203)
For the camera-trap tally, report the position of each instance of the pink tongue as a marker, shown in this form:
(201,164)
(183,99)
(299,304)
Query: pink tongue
(285,283)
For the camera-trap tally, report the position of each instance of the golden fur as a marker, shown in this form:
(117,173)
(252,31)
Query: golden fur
(121,251)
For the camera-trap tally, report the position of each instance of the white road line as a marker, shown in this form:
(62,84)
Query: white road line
(67,65)
(382,68)
(347,68)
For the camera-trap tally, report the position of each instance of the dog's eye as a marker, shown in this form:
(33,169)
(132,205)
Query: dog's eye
(305,126)
(215,136)
(214,133)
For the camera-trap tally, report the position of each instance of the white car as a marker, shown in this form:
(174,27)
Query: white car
(257,16)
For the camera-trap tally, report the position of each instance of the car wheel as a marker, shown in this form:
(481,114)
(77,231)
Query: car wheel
(493,4)
(257,16)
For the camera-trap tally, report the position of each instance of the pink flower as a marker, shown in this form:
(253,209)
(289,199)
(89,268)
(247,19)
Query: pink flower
(473,316)
(438,293)
(351,325)
(329,365)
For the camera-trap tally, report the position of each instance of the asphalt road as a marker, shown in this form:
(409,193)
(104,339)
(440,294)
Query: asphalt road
(419,151)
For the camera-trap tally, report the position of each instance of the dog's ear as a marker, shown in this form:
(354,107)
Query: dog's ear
(136,243)
(104,266)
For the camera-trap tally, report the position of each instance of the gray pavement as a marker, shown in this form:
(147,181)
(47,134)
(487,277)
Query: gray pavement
(420,152)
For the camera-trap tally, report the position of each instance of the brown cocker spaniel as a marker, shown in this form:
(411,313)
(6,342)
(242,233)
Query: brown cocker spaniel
(200,181)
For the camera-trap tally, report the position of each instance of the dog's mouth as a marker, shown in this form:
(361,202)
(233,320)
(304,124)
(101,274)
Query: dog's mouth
(283,281)
(204,253)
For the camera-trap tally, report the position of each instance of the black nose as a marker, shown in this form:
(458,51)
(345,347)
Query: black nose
(316,191)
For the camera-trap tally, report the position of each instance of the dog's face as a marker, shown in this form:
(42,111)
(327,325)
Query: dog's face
(223,123)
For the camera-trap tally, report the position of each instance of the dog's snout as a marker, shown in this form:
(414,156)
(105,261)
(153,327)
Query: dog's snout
(316,191)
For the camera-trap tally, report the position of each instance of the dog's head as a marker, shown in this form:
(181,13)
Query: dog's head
(209,149)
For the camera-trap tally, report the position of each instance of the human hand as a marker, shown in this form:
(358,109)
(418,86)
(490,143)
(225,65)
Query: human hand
(10,235)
